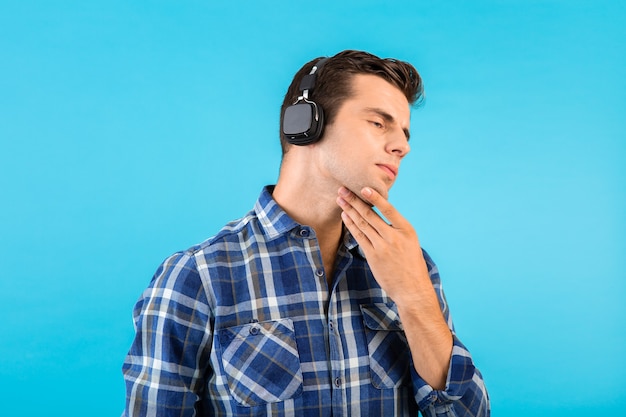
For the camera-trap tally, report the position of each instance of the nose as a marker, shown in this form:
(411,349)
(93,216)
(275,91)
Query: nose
(399,144)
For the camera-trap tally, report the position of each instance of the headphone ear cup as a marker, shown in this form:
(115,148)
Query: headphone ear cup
(303,123)
(316,133)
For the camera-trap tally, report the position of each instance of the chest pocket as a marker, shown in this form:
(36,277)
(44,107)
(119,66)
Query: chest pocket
(261,362)
(387,345)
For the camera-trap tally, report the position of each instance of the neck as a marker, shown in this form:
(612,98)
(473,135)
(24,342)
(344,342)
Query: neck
(308,205)
(311,201)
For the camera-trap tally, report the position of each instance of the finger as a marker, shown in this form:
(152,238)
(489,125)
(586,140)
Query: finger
(385,207)
(360,211)
(361,237)
(357,220)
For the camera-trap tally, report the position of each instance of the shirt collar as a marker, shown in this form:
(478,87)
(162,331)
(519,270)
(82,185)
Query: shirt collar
(272,217)
(276,222)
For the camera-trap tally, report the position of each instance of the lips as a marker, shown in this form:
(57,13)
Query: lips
(391,170)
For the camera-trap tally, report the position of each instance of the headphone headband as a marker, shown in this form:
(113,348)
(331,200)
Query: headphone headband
(308,81)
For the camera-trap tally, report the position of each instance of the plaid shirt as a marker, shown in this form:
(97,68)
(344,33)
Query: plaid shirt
(245,324)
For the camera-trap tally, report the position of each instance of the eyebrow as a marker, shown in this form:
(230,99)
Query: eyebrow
(388,118)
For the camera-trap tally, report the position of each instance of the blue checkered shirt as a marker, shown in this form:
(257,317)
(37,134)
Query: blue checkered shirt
(245,324)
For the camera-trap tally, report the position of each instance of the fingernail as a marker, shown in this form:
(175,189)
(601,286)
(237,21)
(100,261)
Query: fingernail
(343,191)
(366,191)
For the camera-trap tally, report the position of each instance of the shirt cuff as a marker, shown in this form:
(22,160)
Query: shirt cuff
(460,374)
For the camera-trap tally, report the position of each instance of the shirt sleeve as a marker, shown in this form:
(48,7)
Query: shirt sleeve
(465,394)
(164,368)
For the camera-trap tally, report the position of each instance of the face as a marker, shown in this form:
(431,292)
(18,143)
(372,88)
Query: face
(368,137)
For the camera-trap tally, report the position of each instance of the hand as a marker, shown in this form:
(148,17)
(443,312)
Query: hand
(394,255)
(392,250)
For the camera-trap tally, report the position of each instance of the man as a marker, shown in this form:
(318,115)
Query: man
(312,304)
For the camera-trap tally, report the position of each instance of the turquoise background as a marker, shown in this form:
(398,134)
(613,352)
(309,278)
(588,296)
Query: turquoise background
(132,129)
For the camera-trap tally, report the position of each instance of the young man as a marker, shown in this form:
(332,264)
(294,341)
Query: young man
(312,304)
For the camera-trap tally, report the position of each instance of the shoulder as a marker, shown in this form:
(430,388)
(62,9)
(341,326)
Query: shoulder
(233,236)
(185,262)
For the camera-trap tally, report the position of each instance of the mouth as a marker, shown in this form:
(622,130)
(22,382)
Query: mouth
(390,170)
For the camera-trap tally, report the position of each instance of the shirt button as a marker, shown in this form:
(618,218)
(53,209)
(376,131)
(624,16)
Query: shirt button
(331,326)
(304,232)
(337,382)
(319,272)
(254,330)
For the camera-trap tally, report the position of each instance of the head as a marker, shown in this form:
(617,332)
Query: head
(333,84)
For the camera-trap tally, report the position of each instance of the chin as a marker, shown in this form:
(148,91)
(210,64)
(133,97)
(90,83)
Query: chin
(383,191)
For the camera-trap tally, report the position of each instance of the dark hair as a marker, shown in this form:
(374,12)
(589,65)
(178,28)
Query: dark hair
(334,82)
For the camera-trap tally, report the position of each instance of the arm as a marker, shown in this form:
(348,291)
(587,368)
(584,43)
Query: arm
(445,379)
(164,367)
(465,393)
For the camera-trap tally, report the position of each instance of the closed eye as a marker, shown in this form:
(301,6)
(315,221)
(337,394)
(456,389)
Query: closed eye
(386,120)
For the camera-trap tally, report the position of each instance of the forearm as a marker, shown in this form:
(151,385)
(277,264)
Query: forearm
(465,394)
(446,382)
(430,343)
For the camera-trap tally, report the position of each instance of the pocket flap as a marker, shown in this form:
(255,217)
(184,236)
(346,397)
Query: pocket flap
(381,316)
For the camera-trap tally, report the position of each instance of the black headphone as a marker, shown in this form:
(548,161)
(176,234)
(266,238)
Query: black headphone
(303,121)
